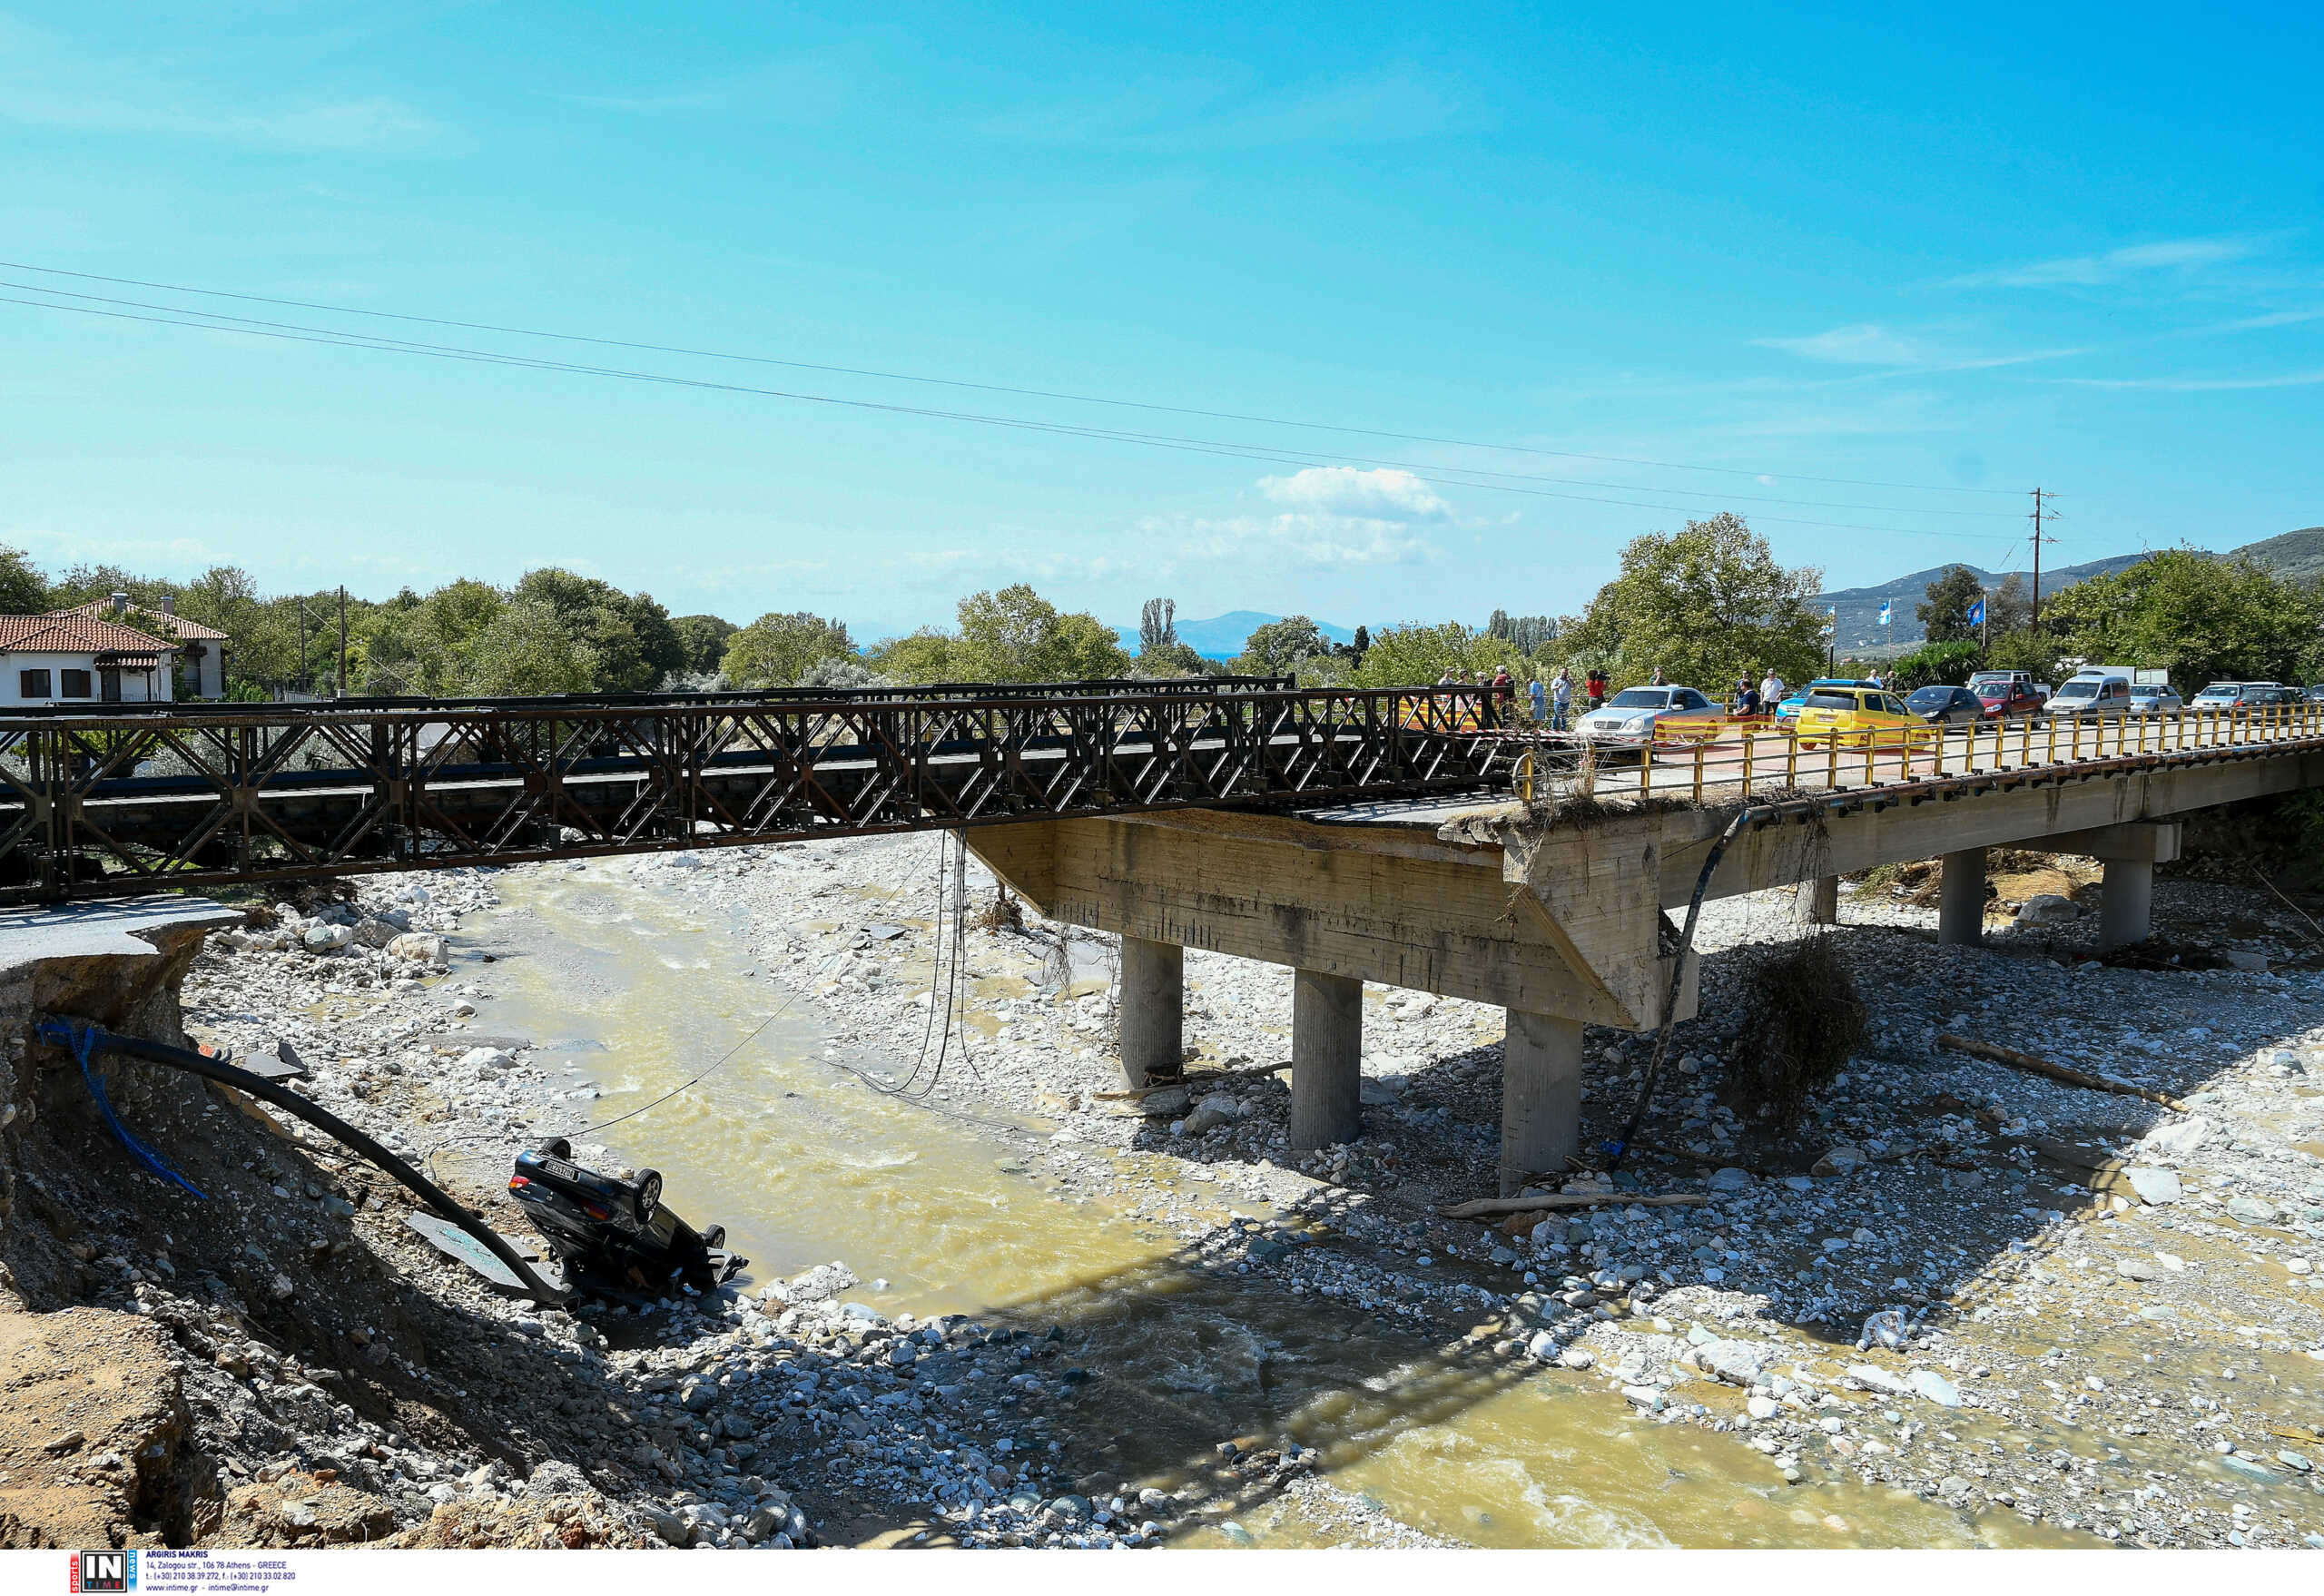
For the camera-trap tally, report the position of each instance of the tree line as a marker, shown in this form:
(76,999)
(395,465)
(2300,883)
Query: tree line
(1707,604)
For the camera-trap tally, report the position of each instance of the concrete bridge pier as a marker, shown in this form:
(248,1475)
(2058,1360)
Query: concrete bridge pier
(1153,1011)
(1816,902)
(1327,1058)
(2126,896)
(1960,899)
(1540,1096)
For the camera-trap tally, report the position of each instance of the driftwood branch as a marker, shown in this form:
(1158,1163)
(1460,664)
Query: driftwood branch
(2033,1066)
(1211,1078)
(1495,1207)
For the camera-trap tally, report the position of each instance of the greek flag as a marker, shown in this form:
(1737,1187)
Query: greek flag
(1832,618)
(1884,612)
(1978,613)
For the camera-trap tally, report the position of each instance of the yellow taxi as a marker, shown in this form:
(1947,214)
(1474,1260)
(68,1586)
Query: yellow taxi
(1855,717)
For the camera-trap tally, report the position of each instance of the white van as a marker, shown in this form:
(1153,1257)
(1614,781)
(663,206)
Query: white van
(2102,694)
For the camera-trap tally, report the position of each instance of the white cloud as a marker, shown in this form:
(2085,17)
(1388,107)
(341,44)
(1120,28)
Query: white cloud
(1865,344)
(1368,494)
(2111,266)
(2197,384)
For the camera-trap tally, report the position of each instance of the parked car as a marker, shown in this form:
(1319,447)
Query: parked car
(1946,707)
(2092,696)
(1629,717)
(2316,694)
(2002,698)
(2155,698)
(1787,710)
(1852,715)
(2220,696)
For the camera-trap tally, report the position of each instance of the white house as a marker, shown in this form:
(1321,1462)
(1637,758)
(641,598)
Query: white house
(199,669)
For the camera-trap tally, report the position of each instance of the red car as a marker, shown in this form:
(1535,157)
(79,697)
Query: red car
(2003,699)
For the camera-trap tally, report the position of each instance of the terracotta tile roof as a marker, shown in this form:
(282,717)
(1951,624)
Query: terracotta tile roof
(71,632)
(177,626)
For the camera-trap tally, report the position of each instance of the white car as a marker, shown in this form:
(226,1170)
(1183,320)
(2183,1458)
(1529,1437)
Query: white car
(1628,718)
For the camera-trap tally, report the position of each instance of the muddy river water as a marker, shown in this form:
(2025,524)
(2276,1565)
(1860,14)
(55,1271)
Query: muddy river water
(631,987)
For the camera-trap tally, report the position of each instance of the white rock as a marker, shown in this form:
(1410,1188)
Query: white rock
(1730,1180)
(2177,1139)
(1577,1357)
(419,947)
(2152,1184)
(1762,1407)
(1935,1386)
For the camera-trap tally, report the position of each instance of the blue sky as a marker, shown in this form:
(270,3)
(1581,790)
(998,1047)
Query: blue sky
(1959,249)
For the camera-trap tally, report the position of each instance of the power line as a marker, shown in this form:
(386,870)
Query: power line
(1442,472)
(981,387)
(333,338)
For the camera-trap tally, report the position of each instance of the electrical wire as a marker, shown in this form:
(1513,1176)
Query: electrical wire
(1450,474)
(974,386)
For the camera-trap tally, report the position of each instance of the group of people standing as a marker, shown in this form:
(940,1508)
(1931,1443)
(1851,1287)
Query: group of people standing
(1553,702)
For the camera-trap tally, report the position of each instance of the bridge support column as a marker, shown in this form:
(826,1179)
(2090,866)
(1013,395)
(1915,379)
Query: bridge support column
(2126,903)
(1960,899)
(1816,902)
(2130,852)
(1153,1011)
(1327,1058)
(1540,1096)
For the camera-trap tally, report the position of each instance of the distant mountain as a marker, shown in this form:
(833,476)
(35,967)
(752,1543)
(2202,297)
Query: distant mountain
(1222,636)
(1859,607)
(2296,554)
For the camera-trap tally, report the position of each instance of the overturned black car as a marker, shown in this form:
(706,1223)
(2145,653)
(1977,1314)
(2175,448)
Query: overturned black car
(614,1237)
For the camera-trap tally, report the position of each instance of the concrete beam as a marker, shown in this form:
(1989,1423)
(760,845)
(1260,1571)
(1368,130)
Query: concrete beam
(2020,809)
(1326,1059)
(2143,842)
(1153,1011)
(1541,1097)
(1960,899)
(1365,903)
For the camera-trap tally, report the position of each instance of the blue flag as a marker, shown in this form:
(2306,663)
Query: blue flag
(1884,612)
(1978,613)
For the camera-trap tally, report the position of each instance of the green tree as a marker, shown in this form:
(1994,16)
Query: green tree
(24,591)
(1173,658)
(2009,608)
(629,637)
(1277,647)
(1418,655)
(527,651)
(1017,635)
(1158,625)
(1943,614)
(1704,605)
(702,641)
(2199,616)
(925,655)
(1935,665)
(776,650)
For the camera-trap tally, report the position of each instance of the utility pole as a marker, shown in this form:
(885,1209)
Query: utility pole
(2040,509)
(342,640)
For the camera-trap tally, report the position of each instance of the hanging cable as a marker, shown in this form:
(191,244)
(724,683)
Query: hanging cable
(971,385)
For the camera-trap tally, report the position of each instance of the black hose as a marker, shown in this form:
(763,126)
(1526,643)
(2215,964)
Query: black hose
(1617,1148)
(331,1125)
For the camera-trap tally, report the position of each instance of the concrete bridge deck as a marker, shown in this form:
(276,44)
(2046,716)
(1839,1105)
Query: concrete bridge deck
(1556,909)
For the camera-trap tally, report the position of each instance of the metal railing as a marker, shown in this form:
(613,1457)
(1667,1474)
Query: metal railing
(198,796)
(1737,757)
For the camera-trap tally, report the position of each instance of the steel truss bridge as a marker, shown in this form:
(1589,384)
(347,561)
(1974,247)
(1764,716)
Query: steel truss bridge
(136,799)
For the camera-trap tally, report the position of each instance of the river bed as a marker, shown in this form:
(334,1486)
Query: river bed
(631,987)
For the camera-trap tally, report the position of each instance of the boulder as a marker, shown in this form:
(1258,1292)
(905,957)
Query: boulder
(1935,1387)
(1842,1159)
(2252,1210)
(1730,1180)
(1738,1363)
(326,938)
(2049,909)
(376,933)
(2178,1140)
(1169,1103)
(417,946)
(1214,1110)
(2152,1184)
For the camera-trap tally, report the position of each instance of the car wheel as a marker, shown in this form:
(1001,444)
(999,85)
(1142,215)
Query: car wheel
(649,1194)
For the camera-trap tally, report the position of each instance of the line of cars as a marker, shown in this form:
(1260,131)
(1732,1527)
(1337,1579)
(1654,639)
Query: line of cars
(1832,707)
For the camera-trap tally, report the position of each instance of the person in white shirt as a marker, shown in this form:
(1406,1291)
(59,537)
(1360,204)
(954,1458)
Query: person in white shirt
(1771,692)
